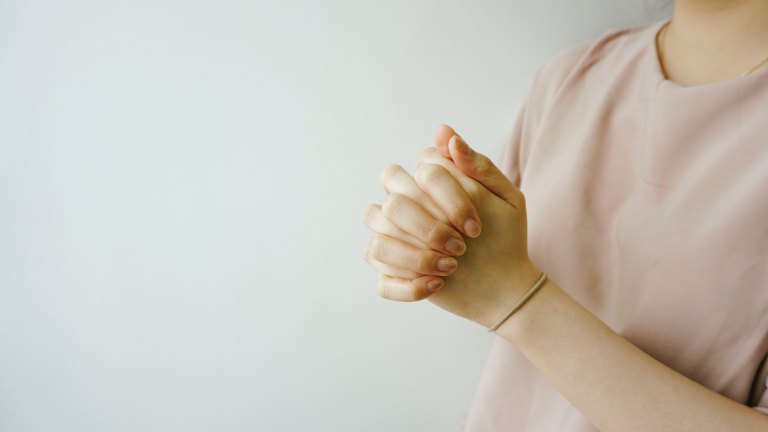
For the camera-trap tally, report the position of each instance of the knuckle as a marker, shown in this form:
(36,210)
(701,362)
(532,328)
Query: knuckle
(426,262)
(482,164)
(436,235)
(429,173)
(381,288)
(389,171)
(473,188)
(392,204)
(367,249)
(368,213)
(378,248)
(413,293)
(419,291)
(460,212)
(426,153)
(519,200)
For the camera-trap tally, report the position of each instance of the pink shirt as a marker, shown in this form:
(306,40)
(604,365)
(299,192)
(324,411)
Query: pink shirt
(648,203)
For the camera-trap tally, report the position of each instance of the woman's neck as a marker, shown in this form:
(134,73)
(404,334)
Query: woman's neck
(714,40)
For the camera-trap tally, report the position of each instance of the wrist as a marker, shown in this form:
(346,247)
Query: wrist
(513,288)
(524,325)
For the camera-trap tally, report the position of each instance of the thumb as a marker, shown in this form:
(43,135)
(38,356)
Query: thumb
(480,168)
(443,134)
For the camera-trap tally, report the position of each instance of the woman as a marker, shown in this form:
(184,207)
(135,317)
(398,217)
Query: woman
(636,178)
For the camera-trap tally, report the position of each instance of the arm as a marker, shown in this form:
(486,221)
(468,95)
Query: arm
(611,381)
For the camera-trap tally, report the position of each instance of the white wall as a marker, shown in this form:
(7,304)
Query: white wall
(180,193)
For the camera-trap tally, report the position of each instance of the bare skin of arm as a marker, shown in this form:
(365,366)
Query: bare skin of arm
(611,381)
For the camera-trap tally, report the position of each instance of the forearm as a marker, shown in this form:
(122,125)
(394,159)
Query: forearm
(617,386)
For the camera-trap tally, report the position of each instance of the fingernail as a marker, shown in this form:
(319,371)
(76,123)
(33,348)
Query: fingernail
(434,284)
(446,264)
(455,246)
(472,227)
(462,146)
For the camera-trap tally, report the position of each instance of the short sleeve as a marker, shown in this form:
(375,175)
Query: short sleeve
(518,140)
(543,89)
(510,161)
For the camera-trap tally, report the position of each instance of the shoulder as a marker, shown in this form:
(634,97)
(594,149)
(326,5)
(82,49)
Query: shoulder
(599,58)
(551,75)
(576,60)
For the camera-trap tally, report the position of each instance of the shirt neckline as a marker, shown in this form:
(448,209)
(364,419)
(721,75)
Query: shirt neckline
(663,81)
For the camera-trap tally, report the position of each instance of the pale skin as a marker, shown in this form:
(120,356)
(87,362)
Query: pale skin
(617,386)
(715,40)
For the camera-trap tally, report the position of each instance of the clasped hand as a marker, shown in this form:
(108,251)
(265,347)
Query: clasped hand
(455,232)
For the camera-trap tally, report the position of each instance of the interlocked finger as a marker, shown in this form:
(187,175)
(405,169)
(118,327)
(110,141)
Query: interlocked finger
(399,254)
(386,269)
(416,221)
(452,199)
(432,156)
(395,179)
(375,220)
(407,290)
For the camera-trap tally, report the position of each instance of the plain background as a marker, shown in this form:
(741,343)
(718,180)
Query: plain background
(181,185)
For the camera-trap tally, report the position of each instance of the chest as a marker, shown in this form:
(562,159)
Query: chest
(660,232)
